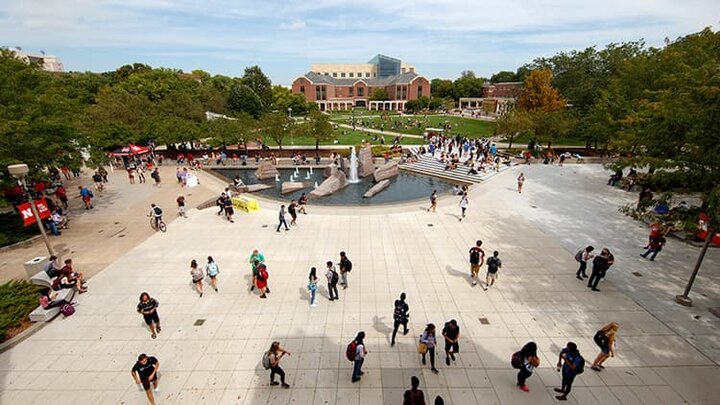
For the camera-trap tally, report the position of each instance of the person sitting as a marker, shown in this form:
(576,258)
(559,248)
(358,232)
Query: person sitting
(615,178)
(66,281)
(68,270)
(52,267)
(472,170)
(48,299)
(59,219)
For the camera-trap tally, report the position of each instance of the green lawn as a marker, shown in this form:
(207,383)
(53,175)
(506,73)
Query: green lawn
(345,137)
(17,299)
(408,124)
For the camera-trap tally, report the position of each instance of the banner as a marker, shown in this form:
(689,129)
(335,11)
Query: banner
(26,211)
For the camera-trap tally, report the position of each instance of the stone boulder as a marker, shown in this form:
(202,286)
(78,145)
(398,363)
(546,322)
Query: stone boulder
(377,188)
(335,182)
(266,170)
(251,188)
(367,163)
(290,186)
(386,171)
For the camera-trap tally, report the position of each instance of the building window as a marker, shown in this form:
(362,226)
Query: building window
(359,74)
(320,92)
(361,91)
(334,74)
(404,70)
(342,74)
(374,74)
(367,74)
(350,91)
(419,91)
(351,74)
(302,89)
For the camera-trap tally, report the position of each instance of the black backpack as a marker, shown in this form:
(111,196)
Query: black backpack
(334,278)
(601,339)
(399,313)
(579,255)
(347,264)
(474,256)
(158,210)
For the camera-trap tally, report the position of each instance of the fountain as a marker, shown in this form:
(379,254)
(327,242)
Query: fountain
(307,176)
(277,177)
(353,178)
(316,185)
(297,170)
(311,170)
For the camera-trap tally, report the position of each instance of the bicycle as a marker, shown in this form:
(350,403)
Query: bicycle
(157,223)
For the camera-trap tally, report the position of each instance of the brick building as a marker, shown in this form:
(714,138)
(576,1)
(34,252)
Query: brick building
(344,86)
(496,98)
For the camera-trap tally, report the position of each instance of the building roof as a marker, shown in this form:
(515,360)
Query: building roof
(403,78)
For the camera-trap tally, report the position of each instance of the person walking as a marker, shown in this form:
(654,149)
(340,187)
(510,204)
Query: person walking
(156,176)
(281,219)
(62,196)
(229,211)
(197,276)
(302,202)
(493,265)
(451,333)
(570,363)
(272,358)
(520,182)
(220,203)
(605,339)
(529,360)
(332,278)
(583,256)
(414,396)
(463,206)
(212,270)
(433,201)
(256,257)
(292,210)
(400,317)
(429,339)
(360,353)
(654,246)
(477,258)
(601,264)
(181,205)
(312,285)
(141,173)
(345,268)
(261,279)
(147,307)
(145,372)
(86,196)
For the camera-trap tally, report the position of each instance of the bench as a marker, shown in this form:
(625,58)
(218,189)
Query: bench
(41,314)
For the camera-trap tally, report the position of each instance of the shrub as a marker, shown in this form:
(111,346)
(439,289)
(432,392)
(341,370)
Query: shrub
(17,299)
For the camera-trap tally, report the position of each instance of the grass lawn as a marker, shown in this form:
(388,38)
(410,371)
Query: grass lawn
(17,299)
(407,124)
(349,137)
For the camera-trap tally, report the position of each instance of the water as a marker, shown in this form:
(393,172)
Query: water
(353,178)
(404,187)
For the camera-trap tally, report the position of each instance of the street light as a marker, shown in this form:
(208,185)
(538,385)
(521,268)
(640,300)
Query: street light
(19,171)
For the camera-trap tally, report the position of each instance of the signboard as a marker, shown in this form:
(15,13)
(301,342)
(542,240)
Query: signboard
(703,225)
(26,211)
(246,204)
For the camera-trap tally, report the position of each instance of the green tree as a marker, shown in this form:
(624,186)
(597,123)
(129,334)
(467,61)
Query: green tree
(379,94)
(243,99)
(516,122)
(503,76)
(319,127)
(442,88)
(277,126)
(283,99)
(255,79)
(468,85)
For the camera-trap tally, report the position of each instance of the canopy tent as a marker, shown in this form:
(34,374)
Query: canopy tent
(131,150)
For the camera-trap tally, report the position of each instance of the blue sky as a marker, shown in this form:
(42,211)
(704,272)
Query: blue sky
(442,38)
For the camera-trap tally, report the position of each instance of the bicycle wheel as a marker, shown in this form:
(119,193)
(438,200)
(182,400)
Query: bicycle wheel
(162,226)
(152,223)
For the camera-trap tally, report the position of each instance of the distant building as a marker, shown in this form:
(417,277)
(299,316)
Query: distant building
(496,98)
(344,86)
(47,62)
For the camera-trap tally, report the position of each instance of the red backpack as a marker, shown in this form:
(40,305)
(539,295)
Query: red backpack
(351,350)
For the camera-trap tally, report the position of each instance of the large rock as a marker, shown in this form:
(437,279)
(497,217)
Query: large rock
(266,170)
(386,171)
(367,163)
(251,188)
(335,182)
(377,188)
(290,186)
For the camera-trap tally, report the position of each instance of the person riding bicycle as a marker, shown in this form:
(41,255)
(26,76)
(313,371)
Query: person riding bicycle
(156,212)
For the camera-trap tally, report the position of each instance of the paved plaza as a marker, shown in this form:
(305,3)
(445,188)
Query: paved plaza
(666,354)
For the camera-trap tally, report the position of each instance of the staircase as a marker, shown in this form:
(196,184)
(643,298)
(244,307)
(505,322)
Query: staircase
(432,167)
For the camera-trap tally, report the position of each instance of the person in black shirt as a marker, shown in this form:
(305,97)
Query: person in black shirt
(148,308)
(601,264)
(345,267)
(145,372)
(292,210)
(400,315)
(451,333)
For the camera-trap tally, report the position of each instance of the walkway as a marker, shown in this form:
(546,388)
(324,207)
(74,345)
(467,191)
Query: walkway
(85,359)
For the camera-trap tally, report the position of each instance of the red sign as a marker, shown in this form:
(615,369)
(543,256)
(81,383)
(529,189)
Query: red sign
(26,211)
(703,226)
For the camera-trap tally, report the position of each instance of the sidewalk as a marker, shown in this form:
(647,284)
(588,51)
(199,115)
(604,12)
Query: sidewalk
(116,225)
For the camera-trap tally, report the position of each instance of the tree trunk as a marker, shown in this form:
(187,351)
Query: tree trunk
(549,144)
(699,261)
(511,141)
(317,144)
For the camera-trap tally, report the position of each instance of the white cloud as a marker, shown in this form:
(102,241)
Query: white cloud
(294,25)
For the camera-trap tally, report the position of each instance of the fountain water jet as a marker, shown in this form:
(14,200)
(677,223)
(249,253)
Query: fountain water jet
(353,178)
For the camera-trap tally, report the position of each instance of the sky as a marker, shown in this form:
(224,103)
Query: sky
(441,38)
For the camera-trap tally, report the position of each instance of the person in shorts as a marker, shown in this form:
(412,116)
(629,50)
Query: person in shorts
(148,308)
(493,264)
(197,276)
(451,333)
(433,201)
(145,372)
(229,211)
(302,202)
(212,270)
(477,258)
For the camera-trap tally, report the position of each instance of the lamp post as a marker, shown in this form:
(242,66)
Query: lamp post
(19,171)
(292,135)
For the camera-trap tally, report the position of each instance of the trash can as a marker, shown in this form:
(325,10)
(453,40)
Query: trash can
(35,265)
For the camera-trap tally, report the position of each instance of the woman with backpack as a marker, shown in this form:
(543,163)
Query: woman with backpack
(605,339)
(261,277)
(571,363)
(359,358)
(526,360)
(212,270)
(147,307)
(428,339)
(400,317)
(583,256)
(271,361)
(312,285)
(48,299)
(197,276)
